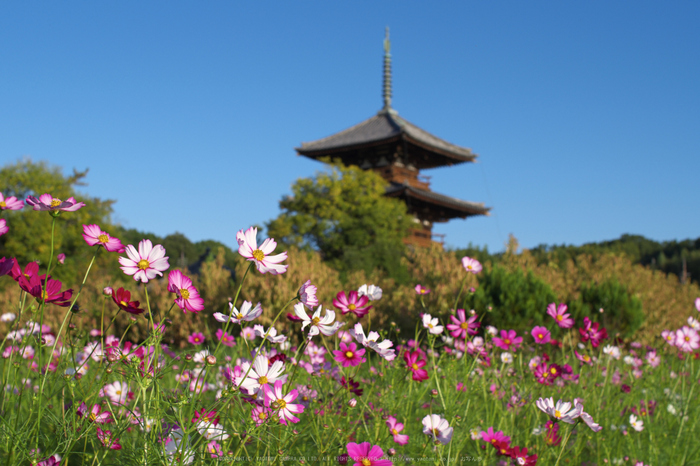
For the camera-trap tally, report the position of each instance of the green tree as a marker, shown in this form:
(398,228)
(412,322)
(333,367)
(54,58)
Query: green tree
(29,235)
(343,214)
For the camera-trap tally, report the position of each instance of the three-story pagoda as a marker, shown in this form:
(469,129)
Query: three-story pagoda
(397,150)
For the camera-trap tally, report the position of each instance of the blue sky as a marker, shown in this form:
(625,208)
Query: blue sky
(585,115)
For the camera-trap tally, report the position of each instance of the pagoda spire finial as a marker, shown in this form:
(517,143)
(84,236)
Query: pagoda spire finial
(386,88)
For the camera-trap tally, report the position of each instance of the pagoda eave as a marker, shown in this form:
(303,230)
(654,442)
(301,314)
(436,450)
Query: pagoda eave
(435,207)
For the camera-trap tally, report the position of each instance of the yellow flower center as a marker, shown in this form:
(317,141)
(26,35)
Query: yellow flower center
(560,317)
(281,404)
(143,264)
(414,366)
(506,341)
(430,325)
(2,204)
(92,417)
(55,202)
(118,392)
(103,239)
(393,431)
(464,325)
(185,294)
(349,354)
(262,380)
(262,416)
(586,358)
(315,321)
(557,414)
(553,370)
(422,291)
(352,307)
(124,303)
(469,267)
(540,336)
(258,255)
(44,295)
(687,338)
(366,462)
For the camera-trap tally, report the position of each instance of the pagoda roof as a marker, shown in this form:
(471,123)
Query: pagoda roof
(386,127)
(451,207)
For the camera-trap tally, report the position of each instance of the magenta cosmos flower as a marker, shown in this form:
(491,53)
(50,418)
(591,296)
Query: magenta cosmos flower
(492,437)
(95,415)
(197,338)
(94,236)
(461,326)
(3,226)
(107,440)
(122,298)
(415,365)
(592,331)
(352,303)
(541,335)
(509,340)
(365,454)
(145,264)
(188,298)
(248,248)
(558,313)
(47,202)
(10,203)
(471,265)
(349,355)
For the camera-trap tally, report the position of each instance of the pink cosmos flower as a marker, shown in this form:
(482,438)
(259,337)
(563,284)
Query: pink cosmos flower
(395,427)
(214,449)
(592,331)
(687,339)
(197,338)
(420,289)
(61,258)
(558,313)
(95,414)
(53,460)
(307,295)
(587,418)
(146,263)
(461,326)
(365,454)
(225,338)
(509,340)
(260,415)
(94,236)
(205,416)
(552,437)
(415,365)
(471,265)
(248,248)
(275,400)
(188,298)
(349,355)
(584,358)
(261,374)
(107,440)
(47,202)
(697,304)
(10,203)
(352,303)
(3,226)
(541,335)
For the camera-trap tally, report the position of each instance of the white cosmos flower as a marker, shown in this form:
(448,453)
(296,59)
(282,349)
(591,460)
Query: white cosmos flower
(562,411)
(318,324)
(587,418)
(506,357)
(270,335)
(636,424)
(373,292)
(117,392)
(260,374)
(7,317)
(612,351)
(438,428)
(247,312)
(432,324)
(693,323)
(384,348)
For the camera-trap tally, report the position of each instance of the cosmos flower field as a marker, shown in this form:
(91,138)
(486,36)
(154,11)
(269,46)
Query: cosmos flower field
(334,390)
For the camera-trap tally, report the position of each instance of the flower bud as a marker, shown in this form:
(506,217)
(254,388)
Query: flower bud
(107,291)
(391,452)
(352,402)
(188,357)
(434,392)
(211,359)
(61,258)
